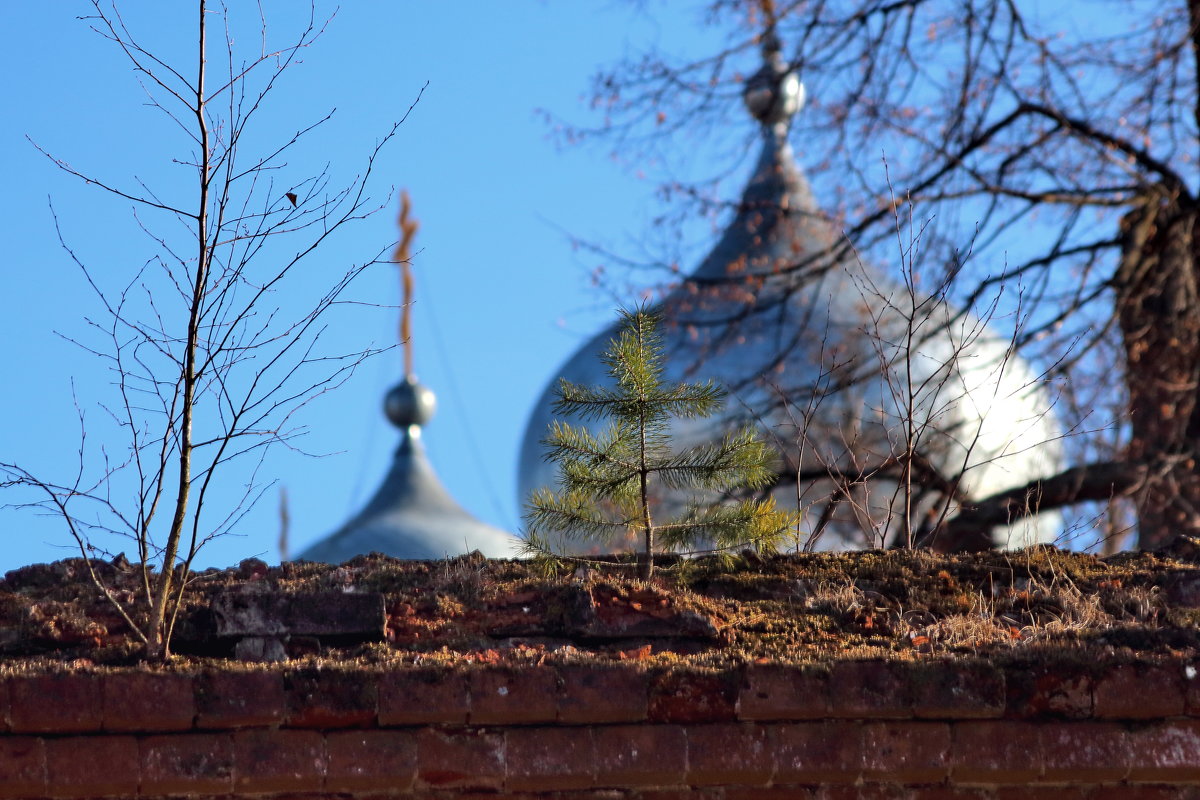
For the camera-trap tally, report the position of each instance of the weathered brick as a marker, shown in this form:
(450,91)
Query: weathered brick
(1059,793)
(1144,791)
(422,697)
(728,753)
(786,792)
(950,690)
(92,766)
(994,751)
(330,698)
(22,766)
(278,761)
(893,792)
(148,702)
(685,696)
(900,791)
(63,702)
(640,755)
(815,752)
(366,761)
(322,613)
(915,752)
(467,759)
(190,763)
(1039,690)
(1083,752)
(776,691)
(928,791)
(239,699)
(870,690)
(549,759)
(602,694)
(1139,691)
(681,793)
(1165,751)
(511,696)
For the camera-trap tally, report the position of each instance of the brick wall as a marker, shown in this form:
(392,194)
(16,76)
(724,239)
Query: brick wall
(608,730)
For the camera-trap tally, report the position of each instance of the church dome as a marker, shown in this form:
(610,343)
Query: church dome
(820,352)
(412,515)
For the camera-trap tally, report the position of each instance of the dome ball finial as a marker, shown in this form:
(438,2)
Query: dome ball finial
(774,94)
(409,403)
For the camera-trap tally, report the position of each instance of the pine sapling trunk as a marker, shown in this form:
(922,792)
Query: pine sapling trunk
(647,559)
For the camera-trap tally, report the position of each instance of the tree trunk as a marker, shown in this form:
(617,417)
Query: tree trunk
(1158,308)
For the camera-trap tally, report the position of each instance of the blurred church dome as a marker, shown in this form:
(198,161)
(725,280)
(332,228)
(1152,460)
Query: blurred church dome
(816,349)
(411,515)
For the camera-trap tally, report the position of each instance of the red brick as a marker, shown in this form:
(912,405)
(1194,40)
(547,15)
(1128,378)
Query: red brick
(64,702)
(775,691)
(22,766)
(1144,791)
(870,690)
(278,761)
(467,759)
(815,752)
(1084,752)
(683,793)
(513,696)
(239,699)
(145,702)
(640,755)
(683,696)
(1139,691)
(92,766)
(549,759)
(365,761)
(994,751)
(950,690)
(1040,690)
(932,791)
(770,793)
(1060,793)
(728,753)
(916,752)
(873,791)
(423,696)
(190,763)
(1165,751)
(601,694)
(330,698)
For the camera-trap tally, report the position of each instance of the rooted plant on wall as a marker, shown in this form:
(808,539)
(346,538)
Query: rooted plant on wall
(607,479)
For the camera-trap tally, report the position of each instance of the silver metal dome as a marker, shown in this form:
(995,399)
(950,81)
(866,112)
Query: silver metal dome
(811,346)
(412,515)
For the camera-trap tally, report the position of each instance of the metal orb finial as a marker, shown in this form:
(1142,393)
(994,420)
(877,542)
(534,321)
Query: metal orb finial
(774,94)
(409,403)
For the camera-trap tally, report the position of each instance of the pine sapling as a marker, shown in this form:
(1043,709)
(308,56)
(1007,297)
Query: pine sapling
(608,481)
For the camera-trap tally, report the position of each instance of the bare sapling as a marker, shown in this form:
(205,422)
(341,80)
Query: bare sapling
(216,343)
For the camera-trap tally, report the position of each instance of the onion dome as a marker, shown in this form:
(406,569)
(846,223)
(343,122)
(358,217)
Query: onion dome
(811,344)
(411,516)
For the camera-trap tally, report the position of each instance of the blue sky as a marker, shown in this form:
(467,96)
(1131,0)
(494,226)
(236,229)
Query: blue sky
(502,296)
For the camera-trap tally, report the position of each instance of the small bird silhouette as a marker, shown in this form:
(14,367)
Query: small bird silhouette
(292,197)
